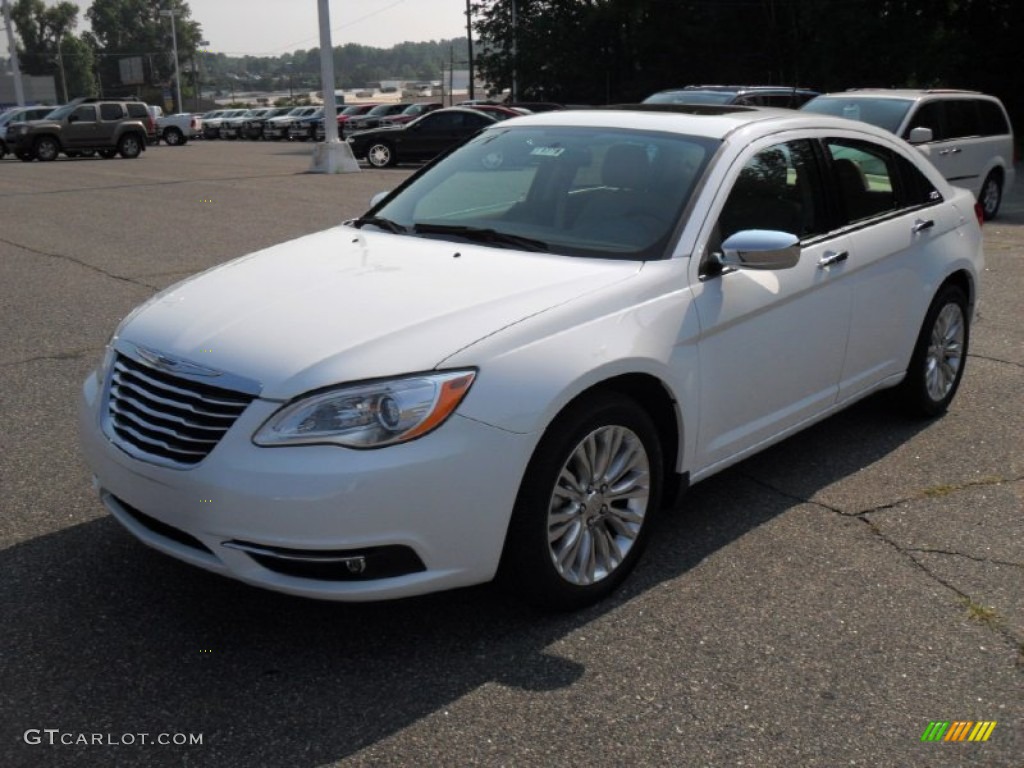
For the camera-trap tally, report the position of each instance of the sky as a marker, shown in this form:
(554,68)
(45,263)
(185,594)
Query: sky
(273,27)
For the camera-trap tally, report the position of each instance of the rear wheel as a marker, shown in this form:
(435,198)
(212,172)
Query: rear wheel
(380,155)
(937,364)
(107,154)
(173,137)
(47,148)
(991,196)
(130,146)
(25,157)
(585,507)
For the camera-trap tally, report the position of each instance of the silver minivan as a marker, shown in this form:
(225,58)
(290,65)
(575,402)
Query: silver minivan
(967,135)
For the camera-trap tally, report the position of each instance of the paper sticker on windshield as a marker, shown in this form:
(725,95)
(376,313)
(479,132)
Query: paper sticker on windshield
(548,151)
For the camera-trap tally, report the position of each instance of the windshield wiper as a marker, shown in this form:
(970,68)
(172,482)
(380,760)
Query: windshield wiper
(482,235)
(380,222)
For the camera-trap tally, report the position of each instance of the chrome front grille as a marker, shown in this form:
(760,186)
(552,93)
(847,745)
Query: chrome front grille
(165,418)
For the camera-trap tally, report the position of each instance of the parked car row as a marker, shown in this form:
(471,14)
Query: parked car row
(967,135)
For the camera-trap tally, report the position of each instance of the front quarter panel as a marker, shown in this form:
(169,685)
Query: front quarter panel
(529,373)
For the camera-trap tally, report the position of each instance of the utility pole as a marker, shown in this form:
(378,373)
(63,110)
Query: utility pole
(63,77)
(469,37)
(177,74)
(19,91)
(515,35)
(331,156)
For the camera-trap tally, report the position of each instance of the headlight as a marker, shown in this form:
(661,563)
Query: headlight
(369,415)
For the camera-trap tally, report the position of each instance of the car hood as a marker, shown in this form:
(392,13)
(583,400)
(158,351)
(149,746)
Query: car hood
(346,304)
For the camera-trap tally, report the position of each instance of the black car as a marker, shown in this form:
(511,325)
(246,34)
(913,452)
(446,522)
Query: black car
(745,95)
(422,139)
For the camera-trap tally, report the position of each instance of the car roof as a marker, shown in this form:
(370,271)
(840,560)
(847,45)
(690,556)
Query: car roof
(740,88)
(903,93)
(714,123)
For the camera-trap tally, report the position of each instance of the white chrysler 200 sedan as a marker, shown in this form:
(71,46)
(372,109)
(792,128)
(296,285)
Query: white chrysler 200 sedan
(516,358)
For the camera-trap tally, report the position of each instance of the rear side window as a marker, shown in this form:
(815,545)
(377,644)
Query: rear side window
(873,180)
(991,119)
(137,110)
(111,112)
(962,118)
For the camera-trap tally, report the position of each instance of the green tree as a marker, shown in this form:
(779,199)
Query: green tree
(50,47)
(129,28)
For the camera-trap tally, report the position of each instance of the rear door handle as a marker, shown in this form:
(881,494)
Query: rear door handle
(951,151)
(922,224)
(831,257)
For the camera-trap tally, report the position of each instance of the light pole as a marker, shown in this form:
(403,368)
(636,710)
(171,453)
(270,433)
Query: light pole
(19,93)
(469,37)
(177,73)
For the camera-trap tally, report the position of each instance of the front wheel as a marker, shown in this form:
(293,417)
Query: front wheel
(991,196)
(47,148)
(937,364)
(130,147)
(380,155)
(585,506)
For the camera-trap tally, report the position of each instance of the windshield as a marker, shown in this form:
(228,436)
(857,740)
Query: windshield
(61,112)
(609,193)
(691,97)
(885,113)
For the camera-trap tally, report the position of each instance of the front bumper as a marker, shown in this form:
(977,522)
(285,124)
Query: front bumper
(250,513)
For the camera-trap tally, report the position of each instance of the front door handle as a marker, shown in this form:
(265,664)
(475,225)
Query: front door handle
(831,257)
(922,224)
(950,151)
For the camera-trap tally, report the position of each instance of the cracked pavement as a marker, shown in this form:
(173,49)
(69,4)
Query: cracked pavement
(816,605)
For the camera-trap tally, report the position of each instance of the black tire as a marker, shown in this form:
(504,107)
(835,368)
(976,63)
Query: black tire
(3,150)
(991,196)
(130,146)
(380,155)
(108,154)
(173,137)
(561,516)
(25,157)
(46,149)
(937,365)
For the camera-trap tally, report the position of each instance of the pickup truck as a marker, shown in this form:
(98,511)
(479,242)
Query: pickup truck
(175,130)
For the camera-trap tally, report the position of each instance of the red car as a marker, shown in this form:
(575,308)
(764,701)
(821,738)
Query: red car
(411,113)
(497,111)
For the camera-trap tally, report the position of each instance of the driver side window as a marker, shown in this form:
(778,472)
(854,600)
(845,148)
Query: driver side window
(777,189)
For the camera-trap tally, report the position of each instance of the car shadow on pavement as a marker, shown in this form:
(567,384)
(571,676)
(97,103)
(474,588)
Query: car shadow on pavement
(102,635)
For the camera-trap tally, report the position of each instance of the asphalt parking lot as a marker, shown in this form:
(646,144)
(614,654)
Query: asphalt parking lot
(817,605)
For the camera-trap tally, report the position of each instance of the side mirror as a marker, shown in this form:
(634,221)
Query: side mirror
(72,118)
(376,199)
(920,135)
(760,249)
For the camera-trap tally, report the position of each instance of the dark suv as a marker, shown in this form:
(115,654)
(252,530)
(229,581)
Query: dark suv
(85,126)
(745,95)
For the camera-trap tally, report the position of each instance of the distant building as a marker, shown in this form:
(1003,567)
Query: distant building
(38,90)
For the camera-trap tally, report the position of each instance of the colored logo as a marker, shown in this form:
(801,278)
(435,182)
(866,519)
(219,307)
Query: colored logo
(958,730)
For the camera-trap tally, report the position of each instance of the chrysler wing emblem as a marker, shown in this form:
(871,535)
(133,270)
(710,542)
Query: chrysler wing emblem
(170,364)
